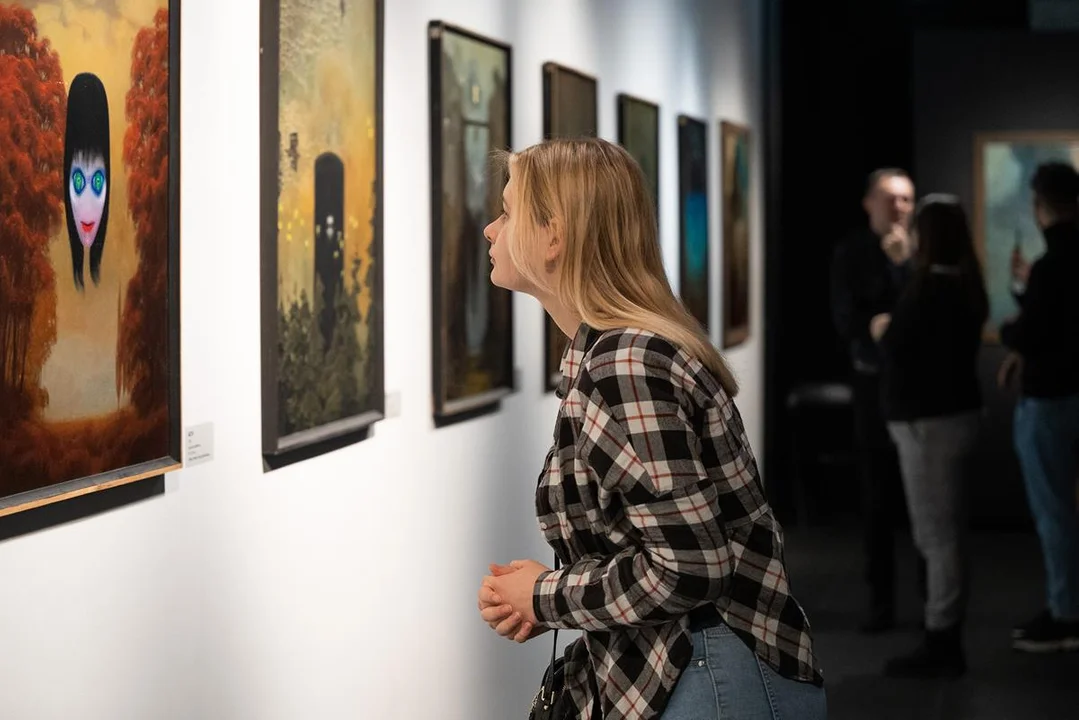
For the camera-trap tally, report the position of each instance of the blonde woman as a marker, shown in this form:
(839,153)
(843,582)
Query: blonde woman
(672,560)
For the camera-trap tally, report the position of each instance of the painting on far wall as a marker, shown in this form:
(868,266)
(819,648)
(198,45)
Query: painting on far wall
(570,109)
(1003,218)
(734,169)
(638,133)
(693,255)
(473,319)
(89,247)
(322,366)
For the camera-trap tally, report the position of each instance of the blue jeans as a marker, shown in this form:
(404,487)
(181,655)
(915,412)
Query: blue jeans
(725,679)
(1046,433)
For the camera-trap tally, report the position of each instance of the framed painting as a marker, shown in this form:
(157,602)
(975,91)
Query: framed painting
(693,256)
(1004,163)
(570,109)
(89,248)
(321,218)
(734,169)
(638,133)
(472,333)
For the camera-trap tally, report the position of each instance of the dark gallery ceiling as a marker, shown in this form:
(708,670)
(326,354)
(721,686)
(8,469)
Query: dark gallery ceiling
(1038,15)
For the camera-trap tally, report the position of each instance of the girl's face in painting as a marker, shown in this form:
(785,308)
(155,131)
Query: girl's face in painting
(87,188)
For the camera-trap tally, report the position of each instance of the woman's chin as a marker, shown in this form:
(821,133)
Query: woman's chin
(497,280)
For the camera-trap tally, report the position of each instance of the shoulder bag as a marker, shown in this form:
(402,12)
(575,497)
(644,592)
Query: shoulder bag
(552,701)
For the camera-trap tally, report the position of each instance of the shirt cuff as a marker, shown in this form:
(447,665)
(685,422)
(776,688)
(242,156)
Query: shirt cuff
(543,596)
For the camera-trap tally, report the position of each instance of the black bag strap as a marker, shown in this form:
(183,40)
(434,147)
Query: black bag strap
(554,649)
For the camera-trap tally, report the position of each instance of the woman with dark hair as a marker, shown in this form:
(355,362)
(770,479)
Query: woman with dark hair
(932,401)
(86,172)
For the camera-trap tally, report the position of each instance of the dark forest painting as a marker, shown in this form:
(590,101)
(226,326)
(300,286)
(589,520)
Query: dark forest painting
(322,366)
(472,319)
(693,256)
(570,109)
(734,171)
(89,247)
(638,133)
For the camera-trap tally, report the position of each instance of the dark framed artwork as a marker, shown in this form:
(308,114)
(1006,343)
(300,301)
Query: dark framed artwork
(693,255)
(472,333)
(570,109)
(638,133)
(90,249)
(1003,221)
(735,174)
(321,117)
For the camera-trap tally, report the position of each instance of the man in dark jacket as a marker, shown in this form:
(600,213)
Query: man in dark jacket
(1046,336)
(869,270)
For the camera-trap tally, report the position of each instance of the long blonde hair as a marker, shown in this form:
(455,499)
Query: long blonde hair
(611,271)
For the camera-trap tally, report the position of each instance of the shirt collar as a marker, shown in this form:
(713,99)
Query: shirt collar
(572,358)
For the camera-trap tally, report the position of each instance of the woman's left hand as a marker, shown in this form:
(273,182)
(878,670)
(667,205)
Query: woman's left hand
(516,588)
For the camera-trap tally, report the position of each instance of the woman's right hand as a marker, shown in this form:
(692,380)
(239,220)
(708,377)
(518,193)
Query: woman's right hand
(501,617)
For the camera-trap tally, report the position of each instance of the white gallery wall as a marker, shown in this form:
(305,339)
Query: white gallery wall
(344,586)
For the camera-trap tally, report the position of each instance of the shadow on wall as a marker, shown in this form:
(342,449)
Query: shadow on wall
(994,480)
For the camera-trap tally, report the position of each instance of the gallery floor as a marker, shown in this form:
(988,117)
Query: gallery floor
(1001,685)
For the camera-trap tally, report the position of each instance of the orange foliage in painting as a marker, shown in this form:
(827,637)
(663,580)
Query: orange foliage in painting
(32,106)
(34,452)
(38,453)
(142,357)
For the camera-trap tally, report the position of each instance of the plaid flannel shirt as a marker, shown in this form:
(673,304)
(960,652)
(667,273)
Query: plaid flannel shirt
(652,501)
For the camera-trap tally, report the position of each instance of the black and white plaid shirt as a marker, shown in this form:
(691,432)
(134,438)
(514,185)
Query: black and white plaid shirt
(652,501)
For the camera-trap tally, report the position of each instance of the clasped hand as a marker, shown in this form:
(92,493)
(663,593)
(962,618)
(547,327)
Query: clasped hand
(505,599)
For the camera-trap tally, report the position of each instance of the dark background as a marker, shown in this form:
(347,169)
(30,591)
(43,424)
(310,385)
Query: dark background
(853,86)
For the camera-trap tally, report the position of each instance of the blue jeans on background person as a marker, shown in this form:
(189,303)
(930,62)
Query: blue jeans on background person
(1046,434)
(726,679)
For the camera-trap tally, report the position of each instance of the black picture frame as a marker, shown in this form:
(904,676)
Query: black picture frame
(447,410)
(151,470)
(564,116)
(695,292)
(627,104)
(277,449)
(737,242)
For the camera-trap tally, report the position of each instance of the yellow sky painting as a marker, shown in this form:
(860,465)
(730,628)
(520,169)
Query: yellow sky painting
(327,98)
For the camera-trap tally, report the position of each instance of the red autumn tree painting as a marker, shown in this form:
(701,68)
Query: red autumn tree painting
(142,359)
(32,103)
(83,389)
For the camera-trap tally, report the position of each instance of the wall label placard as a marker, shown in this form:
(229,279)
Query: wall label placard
(198,444)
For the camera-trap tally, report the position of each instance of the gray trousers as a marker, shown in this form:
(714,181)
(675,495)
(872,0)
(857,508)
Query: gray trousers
(931,456)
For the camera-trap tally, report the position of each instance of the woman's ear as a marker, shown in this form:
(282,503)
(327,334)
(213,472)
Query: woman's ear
(553,241)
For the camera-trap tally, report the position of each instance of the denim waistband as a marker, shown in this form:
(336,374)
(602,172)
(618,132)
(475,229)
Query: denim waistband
(703,618)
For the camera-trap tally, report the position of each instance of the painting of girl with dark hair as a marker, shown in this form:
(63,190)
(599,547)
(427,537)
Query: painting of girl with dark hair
(89,340)
(86,168)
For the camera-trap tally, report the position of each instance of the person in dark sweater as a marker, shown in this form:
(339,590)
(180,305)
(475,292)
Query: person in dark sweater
(869,269)
(932,401)
(1045,335)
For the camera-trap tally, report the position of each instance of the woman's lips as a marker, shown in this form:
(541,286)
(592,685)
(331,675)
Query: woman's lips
(87,226)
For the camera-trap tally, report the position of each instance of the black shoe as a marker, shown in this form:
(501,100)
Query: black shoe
(939,656)
(1046,634)
(878,621)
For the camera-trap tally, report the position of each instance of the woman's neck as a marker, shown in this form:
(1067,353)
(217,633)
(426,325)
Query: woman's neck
(564,317)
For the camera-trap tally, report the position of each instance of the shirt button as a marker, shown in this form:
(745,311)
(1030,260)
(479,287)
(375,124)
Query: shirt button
(543,526)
